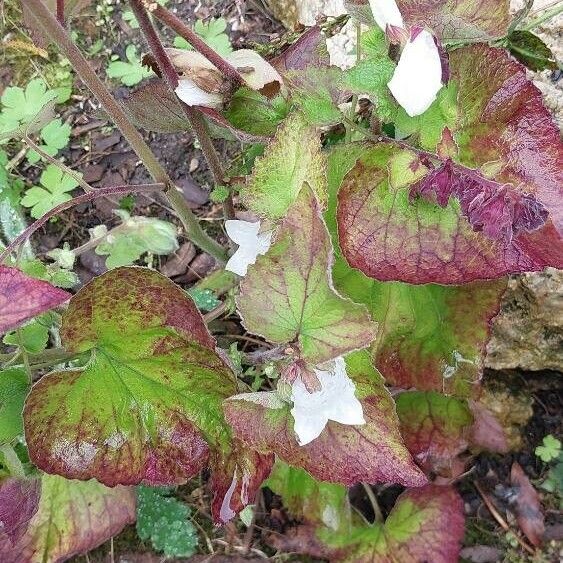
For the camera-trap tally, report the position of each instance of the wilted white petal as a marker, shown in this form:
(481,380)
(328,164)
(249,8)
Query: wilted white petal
(185,61)
(262,72)
(336,401)
(386,12)
(418,76)
(190,93)
(251,244)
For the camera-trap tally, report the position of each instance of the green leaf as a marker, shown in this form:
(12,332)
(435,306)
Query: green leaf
(129,72)
(435,429)
(254,113)
(55,135)
(71,517)
(26,110)
(34,335)
(348,454)
(204,299)
(164,520)
(550,449)
(531,51)
(14,387)
(135,236)
(307,499)
(292,160)
(302,306)
(213,33)
(55,187)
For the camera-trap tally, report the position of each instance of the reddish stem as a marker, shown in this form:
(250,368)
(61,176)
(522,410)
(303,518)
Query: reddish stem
(100,192)
(61,11)
(175,23)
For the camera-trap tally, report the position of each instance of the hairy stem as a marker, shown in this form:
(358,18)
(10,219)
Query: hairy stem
(546,16)
(61,11)
(175,23)
(73,174)
(102,192)
(194,116)
(52,28)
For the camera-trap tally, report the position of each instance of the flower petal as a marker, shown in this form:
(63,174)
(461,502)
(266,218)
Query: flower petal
(386,12)
(418,76)
(191,94)
(260,72)
(242,232)
(251,244)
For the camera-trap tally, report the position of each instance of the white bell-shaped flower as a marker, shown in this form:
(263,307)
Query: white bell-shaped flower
(386,12)
(251,243)
(190,93)
(336,401)
(418,76)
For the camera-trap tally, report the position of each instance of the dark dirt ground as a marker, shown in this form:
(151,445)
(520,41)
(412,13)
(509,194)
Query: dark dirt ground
(100,153)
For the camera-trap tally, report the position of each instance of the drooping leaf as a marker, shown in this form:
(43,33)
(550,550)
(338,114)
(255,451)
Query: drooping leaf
(134,414)
(22,298)
(19,501)
(165,521)
(531,51)
(309,500)
(495,210)
(302,306)
(293,159)
(72,517)
(458,20)
(14,387)
(435,428)
(344,454)
(426,524)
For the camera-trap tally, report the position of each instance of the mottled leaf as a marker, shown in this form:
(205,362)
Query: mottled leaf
(526,505)
(22,298)
(293,159)
(14,387)
(308,51)
(426,524)
(19,501)
(458,20)
(344,454)
(302,304)
(73,517)
(435,428)
(134,413)
(495,210)
(309,500)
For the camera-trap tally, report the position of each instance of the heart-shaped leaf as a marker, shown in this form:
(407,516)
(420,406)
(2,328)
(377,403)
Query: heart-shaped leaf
(458,20)
(426,524)
(495,210)
(292,159)
(147,406)
(22,297)
(72,517)
(302,305)
(345,454)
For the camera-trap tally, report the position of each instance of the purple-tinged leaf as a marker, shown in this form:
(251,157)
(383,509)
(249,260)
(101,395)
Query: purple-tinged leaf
(435,429)
(22,297)
(19,501)
(345,454)
(147,406)
(426,524)
(72,517)
(308,51)
(486,432)
(302,306)
(458,20)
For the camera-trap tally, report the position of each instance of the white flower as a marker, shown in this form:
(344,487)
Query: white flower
(386,12)
(190,93)
(335,401)
(251,243)
(418,76)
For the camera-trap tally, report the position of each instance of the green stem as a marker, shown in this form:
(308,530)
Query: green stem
(25,355)
(555,11)
(43,17)
(12,461)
